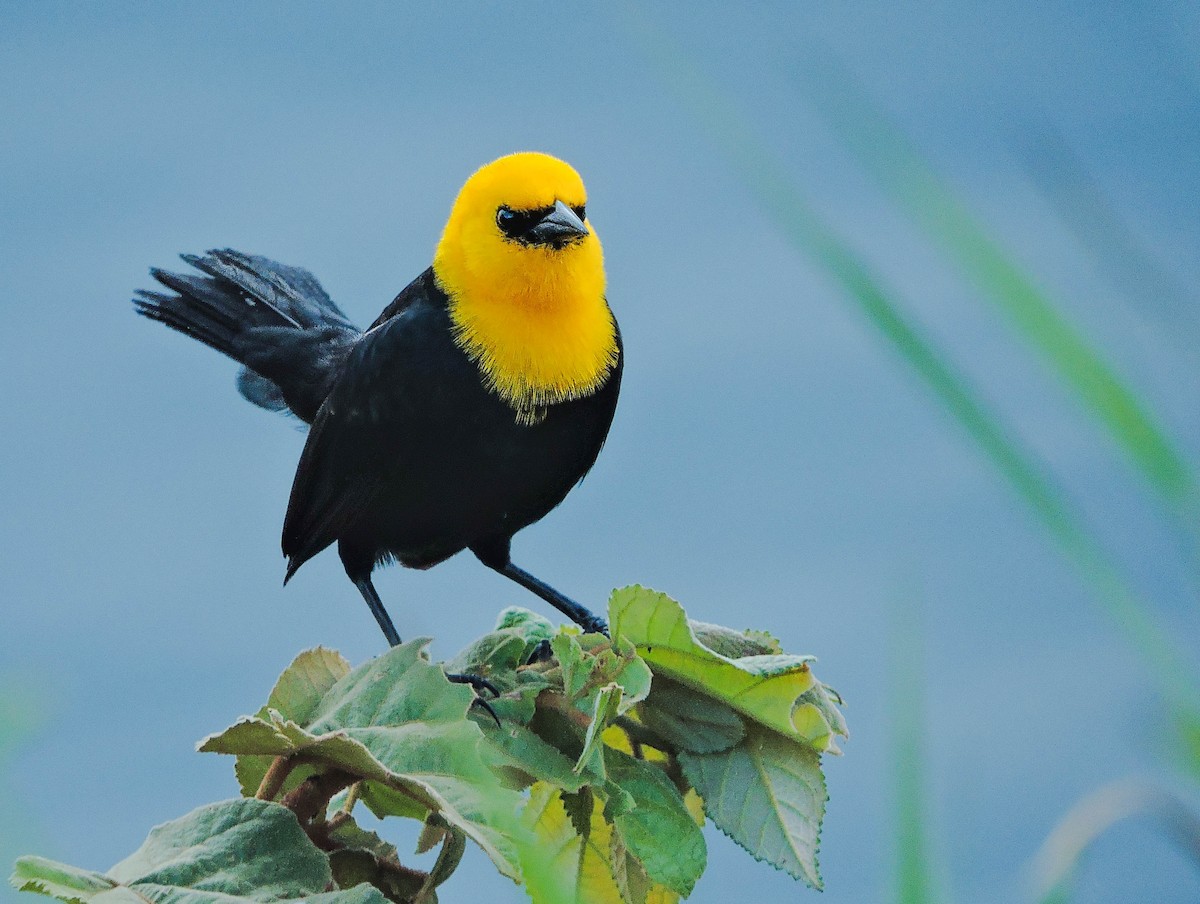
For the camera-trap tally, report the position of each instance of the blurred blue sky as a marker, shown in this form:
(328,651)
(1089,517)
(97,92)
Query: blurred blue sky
(773,464)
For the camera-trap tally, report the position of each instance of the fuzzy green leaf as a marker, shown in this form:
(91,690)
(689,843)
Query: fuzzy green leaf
(580,866)
(58,880)
(589,663)
(630,875)
(275,858)
(240,849)
(816,711)
(498,656)
(295,696)
(735,644)
(305,682)
(533,627)
(400,726)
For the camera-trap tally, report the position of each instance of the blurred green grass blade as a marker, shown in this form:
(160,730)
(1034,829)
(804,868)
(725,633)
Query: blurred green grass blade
(772,185)
(913,879)
(1187,740)
(899,168)
(1064,182)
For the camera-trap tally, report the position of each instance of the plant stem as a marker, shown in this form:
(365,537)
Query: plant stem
(276,775)
(351,798)
(312,795)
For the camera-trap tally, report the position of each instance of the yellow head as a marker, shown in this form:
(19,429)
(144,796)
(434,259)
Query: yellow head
(524,272)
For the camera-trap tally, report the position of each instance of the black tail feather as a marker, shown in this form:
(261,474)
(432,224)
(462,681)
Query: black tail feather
(185,315)
(291,293)
(275,320)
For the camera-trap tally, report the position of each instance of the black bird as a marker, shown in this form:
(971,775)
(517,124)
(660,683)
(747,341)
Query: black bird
(470,408)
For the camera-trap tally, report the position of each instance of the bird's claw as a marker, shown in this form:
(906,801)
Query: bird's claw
(487,708)
(478,683)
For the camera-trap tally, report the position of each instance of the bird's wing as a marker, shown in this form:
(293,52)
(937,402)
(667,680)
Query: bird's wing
(336,478)
(383,394)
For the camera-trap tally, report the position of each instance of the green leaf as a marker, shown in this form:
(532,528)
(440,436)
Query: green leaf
(57,880)
(358,869)
(304,683)
(658,829)
(689,720)
(579,867)
(733,643)
(768,795)
(399,725)
(579,807)
(239,849)
(295,696)
(533,627)
(816,711)
(454,845)
(525,752)
(765,688)
(591,759)
(620,663)
(630,876)
(591,662)
(274,858)
(577,670)
(498,656)
(349,834)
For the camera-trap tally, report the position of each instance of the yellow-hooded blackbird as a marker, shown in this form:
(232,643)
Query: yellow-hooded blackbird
(468,410)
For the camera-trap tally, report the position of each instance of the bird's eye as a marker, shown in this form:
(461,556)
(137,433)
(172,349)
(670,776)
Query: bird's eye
(580,212)
(515,223)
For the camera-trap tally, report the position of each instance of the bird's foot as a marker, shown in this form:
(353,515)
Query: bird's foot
(541,653)
(478,683)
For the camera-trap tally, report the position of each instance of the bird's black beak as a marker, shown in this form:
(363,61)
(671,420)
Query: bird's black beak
(559,227)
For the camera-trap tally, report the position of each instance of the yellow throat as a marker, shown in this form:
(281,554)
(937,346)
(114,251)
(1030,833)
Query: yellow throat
(532,317)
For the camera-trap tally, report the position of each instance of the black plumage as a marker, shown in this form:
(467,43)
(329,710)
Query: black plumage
(411,456)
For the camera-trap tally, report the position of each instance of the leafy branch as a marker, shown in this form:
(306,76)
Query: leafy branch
(607,758)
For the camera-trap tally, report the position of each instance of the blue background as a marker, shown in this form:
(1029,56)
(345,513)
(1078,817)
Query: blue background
(773,463)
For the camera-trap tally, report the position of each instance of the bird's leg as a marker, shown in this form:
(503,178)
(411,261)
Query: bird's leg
(367,589)
(371,595)
(589,621)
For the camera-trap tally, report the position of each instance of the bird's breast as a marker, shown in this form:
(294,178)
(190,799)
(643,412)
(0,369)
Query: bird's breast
(536,349)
